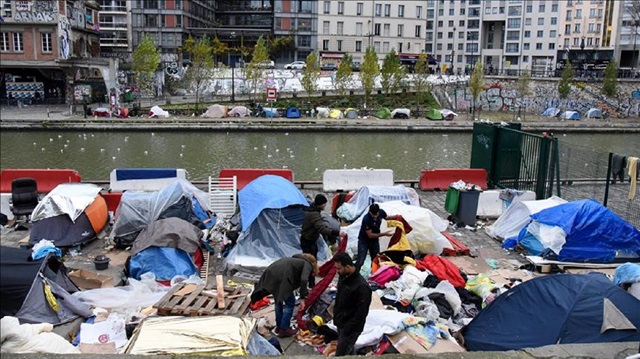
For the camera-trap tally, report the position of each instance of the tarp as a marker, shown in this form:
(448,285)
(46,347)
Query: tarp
(156,111)
(594,113)
(434,114)
(447,113)
(360,201)
(563,309)
(518,215)
(351,113)
(67,198)
(570,115)
(215,111)
(425,238)
(401,113)
(239,111)
(583,231)
(268,191)
(551,112)
(22,288)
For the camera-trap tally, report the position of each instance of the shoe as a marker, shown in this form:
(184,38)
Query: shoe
(285,333)
(276,331)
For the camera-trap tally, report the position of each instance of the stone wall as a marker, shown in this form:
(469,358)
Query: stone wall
(501,94)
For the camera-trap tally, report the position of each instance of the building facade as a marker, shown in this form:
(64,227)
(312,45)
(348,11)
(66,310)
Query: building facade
(629,35)
(297,20)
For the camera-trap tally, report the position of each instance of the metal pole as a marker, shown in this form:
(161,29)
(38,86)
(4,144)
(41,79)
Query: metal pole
(233,84)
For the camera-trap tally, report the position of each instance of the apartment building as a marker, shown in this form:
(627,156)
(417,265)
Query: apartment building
(589,29)
(353,26)
(296,20)
(115,30)
(628,50)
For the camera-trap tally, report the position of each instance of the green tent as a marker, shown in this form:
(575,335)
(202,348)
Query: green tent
(434,114)
(383,113)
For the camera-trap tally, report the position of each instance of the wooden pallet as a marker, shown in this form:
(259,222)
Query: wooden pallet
(192,300)
(459,249)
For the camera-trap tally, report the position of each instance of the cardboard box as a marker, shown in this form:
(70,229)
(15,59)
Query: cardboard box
(86,279)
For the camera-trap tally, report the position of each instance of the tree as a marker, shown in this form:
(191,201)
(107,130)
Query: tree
(524,88)
(392,73)
(146,59)
(254,70)
(200,72)
(476,84)
(564,85)
(343,75)
(610,80)
(218,49)
(420,76)
(369,70)
(310,75)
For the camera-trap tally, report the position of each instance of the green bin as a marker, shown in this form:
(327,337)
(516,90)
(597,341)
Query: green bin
(451,201)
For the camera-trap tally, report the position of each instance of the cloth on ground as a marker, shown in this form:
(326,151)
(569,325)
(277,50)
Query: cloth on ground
(618,164)
(632,166)
(32,338)
(442,268)
(44,247)
(380,322)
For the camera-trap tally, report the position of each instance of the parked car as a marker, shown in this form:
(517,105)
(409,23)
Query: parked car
(328,67)
(267,64)
(296,65)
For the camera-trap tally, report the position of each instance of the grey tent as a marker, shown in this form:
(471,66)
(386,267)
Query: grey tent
(22,289)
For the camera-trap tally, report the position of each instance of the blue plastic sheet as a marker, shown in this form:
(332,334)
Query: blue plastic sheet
(164,262)
(627,273)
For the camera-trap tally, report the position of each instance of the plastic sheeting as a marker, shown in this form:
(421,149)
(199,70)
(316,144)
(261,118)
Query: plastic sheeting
(359,203)
(518,215)
(66,198)
(627,273)
(268,191)
(425,238)
(164,262)
(138,209)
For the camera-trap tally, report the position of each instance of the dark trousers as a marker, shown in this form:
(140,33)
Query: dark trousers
(311,248)
(346,342)
(372,246)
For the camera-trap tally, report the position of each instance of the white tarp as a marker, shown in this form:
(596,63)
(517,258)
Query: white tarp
(239,111)
(66,198)
(518,215)
(215,111)
(425,238)
(157,111)
(359,203)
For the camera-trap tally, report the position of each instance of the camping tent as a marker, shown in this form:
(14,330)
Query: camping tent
(434,114)
(351,113)
(401,113)
(293,112)
(71,214)
(137,209)
(239,111)
(335,114)
(383,113)
(448,114)
(156,111)
(22,288)
(271,215)
(215,111)
(580,231)
(558,309)
(594,113)
(570,115)
(551,112)
(366,195)
(518,215)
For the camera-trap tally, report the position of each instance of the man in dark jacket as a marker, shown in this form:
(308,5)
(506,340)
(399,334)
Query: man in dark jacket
(281,279)
(314,225)
(352,304)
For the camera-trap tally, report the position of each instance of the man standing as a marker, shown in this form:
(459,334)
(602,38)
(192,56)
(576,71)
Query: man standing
(352,304)
(368,237)
(313,226)
(280,279)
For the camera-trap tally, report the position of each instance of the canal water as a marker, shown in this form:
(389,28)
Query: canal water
(95,154)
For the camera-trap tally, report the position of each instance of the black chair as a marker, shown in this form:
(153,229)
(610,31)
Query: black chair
(24,196)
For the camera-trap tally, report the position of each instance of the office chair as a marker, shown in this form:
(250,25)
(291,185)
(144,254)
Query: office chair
(24,197)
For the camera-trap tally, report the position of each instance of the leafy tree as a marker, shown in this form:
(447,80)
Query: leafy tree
(201,71)
(310,75)
(343,74)
(392,73)
(369,70)
(524,87)
(281,44)
(254,71)
(476,84)
(218,48)
(610,81)
(146,60)
(420,76)
(564,85)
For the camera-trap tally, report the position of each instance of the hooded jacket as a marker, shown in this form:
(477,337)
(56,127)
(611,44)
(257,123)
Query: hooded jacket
(284,276)
(313,226)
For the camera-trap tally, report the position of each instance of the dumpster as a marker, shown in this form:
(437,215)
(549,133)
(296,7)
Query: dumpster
(463,205)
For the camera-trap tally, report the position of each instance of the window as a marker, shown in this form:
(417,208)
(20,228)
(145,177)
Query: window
(178,5)
(418,31)
(513,35)
(430,14)
(540,21)
(474,47)
(429,36)
(387,30)
(527,34)
(567,29)
(46,42)
(325,45)
(387,10)
(460,47)
(451,23)
(399,47)
(449,47)
(526,46)
(512,47)
(450,35)
(538,46)
(566,43)
(539,34)
(461,23)
(554,21)
(4,41)
(378,9)
(163,20)
(400,10)
(460,35)
(429,25)
(376,30)
(359,7)
(440,23)
(418,12)
(452,12)
(439,35)
(552,46)
(358,28)
(568,17)
(428,48)
(578,13)
(439,47)
(325,27)
(340,28)
(553,34)
(475,24)
(440,12)
(340,7)
(178,20)
(554,7)
(17,42)
(576,28)
(525,58)
(151,20)
(339,45)
(385,47)
(541,8)
(576,41)
(529,9)
(358,46)
(376,46)
(515,10)
(400,30)
(527,21)
(327,7)
(462,11)
(513,23)
(592,27)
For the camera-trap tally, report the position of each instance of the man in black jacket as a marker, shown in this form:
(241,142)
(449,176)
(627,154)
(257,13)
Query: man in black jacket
(313,226)
(352,304)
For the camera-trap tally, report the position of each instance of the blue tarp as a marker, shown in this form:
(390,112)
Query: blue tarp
(268,191)
(164,262)
(593,232)
(558,309)
(627,273)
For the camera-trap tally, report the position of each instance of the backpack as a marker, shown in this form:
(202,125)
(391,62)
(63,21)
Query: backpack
(386,273)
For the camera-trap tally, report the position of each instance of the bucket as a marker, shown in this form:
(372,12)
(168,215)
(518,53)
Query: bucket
(101,262)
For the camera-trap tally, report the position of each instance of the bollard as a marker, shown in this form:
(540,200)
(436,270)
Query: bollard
(48,112)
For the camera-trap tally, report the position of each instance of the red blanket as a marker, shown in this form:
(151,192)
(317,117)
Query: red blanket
(442,268)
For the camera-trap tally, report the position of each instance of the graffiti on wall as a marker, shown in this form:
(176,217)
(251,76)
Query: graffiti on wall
(65,38)
(43,11)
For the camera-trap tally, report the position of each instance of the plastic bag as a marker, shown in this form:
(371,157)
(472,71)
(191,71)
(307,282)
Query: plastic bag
(481,285)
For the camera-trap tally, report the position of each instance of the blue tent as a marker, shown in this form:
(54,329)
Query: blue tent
(570,115)
(593,234)
(293,112)
(556,309)
(551,112)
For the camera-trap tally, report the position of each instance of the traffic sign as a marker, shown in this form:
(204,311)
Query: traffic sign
(272,94)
